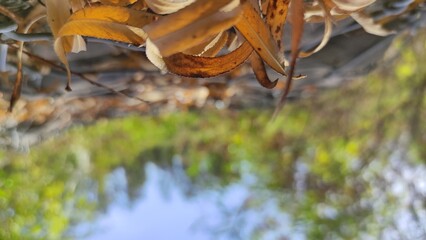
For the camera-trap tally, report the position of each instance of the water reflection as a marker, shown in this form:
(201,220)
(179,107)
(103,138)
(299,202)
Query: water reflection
(382,199)
(163,211)
(236,180)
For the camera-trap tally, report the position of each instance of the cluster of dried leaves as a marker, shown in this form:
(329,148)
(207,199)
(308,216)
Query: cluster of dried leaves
(201,38)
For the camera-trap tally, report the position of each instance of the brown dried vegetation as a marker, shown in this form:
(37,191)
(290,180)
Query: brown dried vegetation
(201,38)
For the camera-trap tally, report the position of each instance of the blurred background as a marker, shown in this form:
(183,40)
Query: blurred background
(345,159)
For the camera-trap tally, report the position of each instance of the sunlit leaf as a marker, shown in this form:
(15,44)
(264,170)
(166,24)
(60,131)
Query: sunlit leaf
(192,25)
(57,12)
(154,56)
(78,44)
(183,17)
(196,32)
(107,22)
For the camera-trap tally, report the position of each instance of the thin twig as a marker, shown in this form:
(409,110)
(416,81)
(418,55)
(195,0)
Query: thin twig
(16,94)
(17,19)
(81,75)
(287,88)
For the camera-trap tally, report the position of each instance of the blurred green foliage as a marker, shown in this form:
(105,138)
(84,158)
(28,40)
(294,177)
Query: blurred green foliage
(344,138)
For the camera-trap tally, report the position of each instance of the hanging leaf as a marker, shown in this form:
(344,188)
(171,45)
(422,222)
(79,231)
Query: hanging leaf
(328,30)
(57,12)
(203,67)
(257,33)
(276,17)
(154,56)
(260,72)
(297,20)
(107,22)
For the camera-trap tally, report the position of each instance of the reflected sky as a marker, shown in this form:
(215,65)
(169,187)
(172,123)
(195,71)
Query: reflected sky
(149,215)
(164,212)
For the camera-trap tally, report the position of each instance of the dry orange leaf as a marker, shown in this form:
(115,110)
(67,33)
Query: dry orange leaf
(276,17)
(203,67)
(260,72)
(255,30)
(107,22)
(192,25)
(184,17)
(196,32)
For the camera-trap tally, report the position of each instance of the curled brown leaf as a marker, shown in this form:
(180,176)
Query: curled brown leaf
(260,72)
(204,67)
